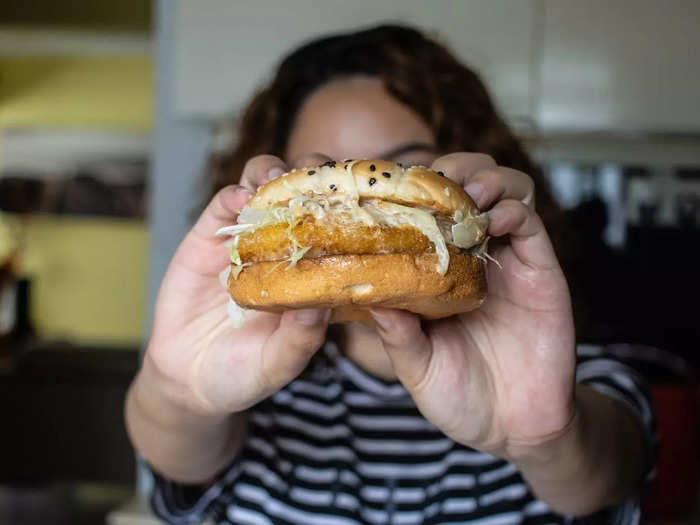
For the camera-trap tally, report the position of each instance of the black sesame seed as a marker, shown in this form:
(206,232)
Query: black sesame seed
(386,174)
(372,167)
(330,164)
(441,173)
(347,160)
(332,186)
(399,164)
(311,172)
(372,180)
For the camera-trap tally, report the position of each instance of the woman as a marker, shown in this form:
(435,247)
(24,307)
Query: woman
(476,417)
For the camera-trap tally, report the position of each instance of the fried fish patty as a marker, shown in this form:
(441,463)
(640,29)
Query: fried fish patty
(272,243)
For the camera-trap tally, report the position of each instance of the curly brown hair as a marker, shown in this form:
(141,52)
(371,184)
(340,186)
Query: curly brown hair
(417,70)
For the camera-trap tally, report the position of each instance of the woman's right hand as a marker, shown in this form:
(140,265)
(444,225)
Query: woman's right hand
(201,360)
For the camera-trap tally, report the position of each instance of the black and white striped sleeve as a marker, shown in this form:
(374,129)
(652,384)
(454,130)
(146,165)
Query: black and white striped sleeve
(616,376)
(179,504)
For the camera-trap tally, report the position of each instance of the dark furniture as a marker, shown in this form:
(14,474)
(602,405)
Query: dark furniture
(61,409)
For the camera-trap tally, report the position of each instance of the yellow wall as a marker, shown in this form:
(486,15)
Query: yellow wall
(112,92)
(88,278)
(88,274)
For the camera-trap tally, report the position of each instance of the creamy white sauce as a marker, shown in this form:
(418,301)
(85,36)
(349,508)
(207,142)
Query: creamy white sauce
(361,289)
(465,233)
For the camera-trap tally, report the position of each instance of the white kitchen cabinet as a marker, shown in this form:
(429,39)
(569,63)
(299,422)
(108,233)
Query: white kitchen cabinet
(224,50)
(624,65)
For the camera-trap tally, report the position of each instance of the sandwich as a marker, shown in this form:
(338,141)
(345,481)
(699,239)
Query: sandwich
(353,235)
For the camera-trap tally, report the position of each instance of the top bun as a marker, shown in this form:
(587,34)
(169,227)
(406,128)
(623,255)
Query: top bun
(370,179)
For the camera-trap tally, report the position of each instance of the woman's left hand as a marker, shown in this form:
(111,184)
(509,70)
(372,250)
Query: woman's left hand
(501,378)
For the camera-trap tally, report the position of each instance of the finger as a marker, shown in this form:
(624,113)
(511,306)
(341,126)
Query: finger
(260,170)
(484,180)
(308,160)
(221,211)
(201,251)
(290,347)
(528,237)
(491,185)
(408,347)
(460,167)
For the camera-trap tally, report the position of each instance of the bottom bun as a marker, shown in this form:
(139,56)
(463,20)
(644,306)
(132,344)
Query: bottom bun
(352,283)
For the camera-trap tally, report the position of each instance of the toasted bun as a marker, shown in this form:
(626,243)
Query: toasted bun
(371,179)
(351,283)
(354,267)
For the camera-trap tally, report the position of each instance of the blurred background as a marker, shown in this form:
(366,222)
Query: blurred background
(109,112)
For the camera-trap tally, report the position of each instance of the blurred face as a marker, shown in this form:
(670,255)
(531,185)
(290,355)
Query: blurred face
(357,118)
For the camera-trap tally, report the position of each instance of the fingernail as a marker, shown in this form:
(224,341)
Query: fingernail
(496,214)
(274,173)
(245,191)
(384,321)
(310,316)
(474,190)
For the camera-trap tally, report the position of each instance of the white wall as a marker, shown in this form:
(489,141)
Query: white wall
(224,49)
(631,65)
(554,65)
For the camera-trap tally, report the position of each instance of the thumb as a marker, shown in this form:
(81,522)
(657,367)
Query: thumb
(289,348)
(409,349)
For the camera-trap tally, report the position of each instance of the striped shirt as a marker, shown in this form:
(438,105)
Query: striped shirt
(340,447)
